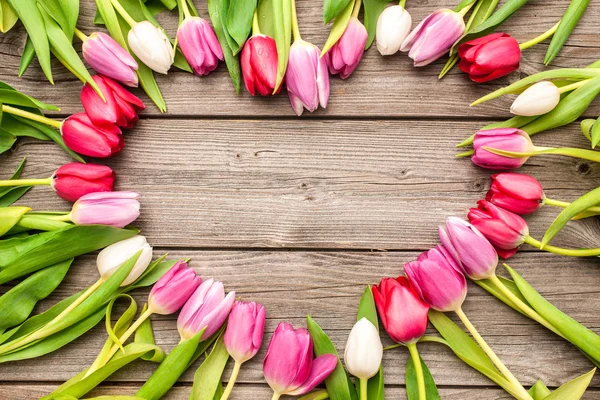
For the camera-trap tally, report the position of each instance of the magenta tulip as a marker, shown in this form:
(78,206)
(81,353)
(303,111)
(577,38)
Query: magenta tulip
(199,45)
(83,137)
(345,55)
(73,180)
(510,139)
(519,193)
(117,209)
(108,58)
(489,57)
(245,328)
(173,289)
(259,65)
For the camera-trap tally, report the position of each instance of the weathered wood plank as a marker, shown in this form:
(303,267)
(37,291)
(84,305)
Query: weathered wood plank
(382,87)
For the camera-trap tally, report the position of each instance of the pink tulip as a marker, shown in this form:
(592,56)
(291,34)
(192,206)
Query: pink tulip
(199,45)
(116,209)
(73,180)
(289,367)
(510,139)
(403,313)
(306,78)
(519,193)
(108,58)
(83,137)
(433,37)
(473,253)
(207,309)
(345,55)
(245,328)
(173,289)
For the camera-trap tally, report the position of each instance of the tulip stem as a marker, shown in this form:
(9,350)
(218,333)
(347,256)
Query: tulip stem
(572,86)
(541,38)
(78,301)
(255,26)
(518,388)
(123,13)
(27,182)
(295,26)
(234,374)
(563,151)
(184,8)
(565,204)
(561,251)
(364,386)
(414,354)
(402,3)
(82,36)
(356,10)
(31,116)
(276,396)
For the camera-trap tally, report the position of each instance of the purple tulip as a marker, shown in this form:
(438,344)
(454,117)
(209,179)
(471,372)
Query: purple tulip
(345,55)
(173,289)
(116,209)
(207,309)
(289,367)
(199,45)
(108,58)
(509,139)
(306,78)
(245,328)
(434,36)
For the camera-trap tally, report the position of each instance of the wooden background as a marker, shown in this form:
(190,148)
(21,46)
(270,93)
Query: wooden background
(301,213)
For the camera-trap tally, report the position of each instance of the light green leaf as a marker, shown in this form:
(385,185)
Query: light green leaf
(372,11)
(595,136)
(586,128)
(539,391)
(239,21)
(510,285)
(8,17)
(412,390)
(27,56)
(282,16)
(338,28)
(11,195)
(333,8)
(314,395)
(55,10)
(217,11)
(9,217)
(574,389)
(566,26)
(207,378)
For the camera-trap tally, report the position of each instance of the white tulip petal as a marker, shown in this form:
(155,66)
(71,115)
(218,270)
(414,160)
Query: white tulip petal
(364,351)
(537,99)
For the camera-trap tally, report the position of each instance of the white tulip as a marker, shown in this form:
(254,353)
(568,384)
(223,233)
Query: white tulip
(537,99)
(152,46)
(364,350)
(393,26)
(115,255)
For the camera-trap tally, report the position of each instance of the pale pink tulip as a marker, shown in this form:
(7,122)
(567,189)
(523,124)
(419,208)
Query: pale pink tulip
(116,209)
(345,55)
(173,289)
(245,328)
(199,45)
(108,58)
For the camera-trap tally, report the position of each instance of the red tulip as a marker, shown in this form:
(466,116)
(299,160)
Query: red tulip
(82,136)
(73,180)
(259,65)
(519,193)
(489,57)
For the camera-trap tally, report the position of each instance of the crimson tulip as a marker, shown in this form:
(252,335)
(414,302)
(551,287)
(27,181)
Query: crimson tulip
(519,193)
(73,180)
(81,135)
(259,65)
(489,57)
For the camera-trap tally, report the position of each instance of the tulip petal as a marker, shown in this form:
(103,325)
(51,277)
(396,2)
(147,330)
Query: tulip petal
(322,367)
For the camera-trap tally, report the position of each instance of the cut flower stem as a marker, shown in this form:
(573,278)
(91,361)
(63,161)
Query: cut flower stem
(29,115)
(562,251)
(539,39)
(414,354)
(584,154)
(234,374)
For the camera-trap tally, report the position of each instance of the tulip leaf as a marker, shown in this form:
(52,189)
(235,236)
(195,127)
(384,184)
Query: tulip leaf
(217,11)
(338,28)
(8,17)
(10,216)
(586,128)
(372,11)
(574,389)
(510,285)
(282,24)
(314,395)
(207,378)
(59,11)
(333,8)
(539,391)
(338,382)
(9,95)
(595,136)
(11,194)
(239,21)
(566,26)
(412,391)
(27,56)
(16,127)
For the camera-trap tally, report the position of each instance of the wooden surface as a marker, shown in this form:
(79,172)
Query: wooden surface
(301,213)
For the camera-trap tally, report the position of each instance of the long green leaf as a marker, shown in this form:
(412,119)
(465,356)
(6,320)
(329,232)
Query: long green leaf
(217,11)
(21,99)
(207,378)
(567,24)
(510,285)
(338,28)
(11,194)
(539,391)
(412,390)
(333,8)
(8,17)
(15,126)
(10,216)
(574,389)
(239,21)
(372,11)
(282,15)
(55,10)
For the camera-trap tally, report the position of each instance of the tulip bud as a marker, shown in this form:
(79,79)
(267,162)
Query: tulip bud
(306,78)
(393,26)
(364,350)
(402,312)
(489,57)
(152,46)
(83,137)
(207,308)
(112,257)
(108,58)
(345,55)
(117,209)
(199,44)
(537,99)
(245,328)
(173,289)
(73,180)
(259,65)
(471,251)
(289,367)
(519,193)
(511,139)
(433,37)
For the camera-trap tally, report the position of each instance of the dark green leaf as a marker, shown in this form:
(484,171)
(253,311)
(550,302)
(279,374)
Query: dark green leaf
(239,21)
(338,28)
(11,195)
(13,97)
(568,22)
(333,8)
(54,135)
(217,12)
(412,391)
(17,127)
(6,141)
(372,11)
(207,378)
(27,56)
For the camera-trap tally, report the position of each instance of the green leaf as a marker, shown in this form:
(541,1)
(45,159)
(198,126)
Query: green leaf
(539,391)
(15,126)
(239,21)
(8,17)
(372,11)
(217,11)
(510,285)
(27,56)
(412,391)
(568,22)
(282,16)
(10,216)
(314,395)
(595,136)
(207,378)
(11,195)
(333,8)
(586,128)
(6,141)
(55,10)
(338,28)
(574,389)
(15,98)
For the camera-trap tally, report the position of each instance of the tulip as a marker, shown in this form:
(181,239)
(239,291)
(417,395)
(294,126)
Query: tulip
(364,350)
(519,193)
(402,312)
(489,57)
(206,310)
(117,209)
(73,180)
(345,55)
(306,78)
(199,44)
(173,289)
(108,58)
(504,229)
(112,257)
(151,45)
(537,99)
(510,139)
(82,136)
(289,367)
(471,251)
(393,26)
(259,65)
(433,37)
(120,107)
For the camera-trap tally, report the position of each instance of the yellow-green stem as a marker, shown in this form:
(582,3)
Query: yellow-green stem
(29,115)
(540,38)
(563,252)
(364,386)
(295,26)
(565,204)
(572,86)
(402,3)
(27,182)
(414,354)
(123,13)
(276,396)
(356,10)
(184,8)
(234,374)
(82,36)
(89,291)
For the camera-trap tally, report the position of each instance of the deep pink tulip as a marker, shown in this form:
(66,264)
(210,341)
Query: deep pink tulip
(490,57)
(519,193)
(473,253)
(345,55)
(108,58)
(207,309)
(403,313)
(73,180)
(306,78)
(120,107)
(510,139)
(199,45)
(173,289)
(117,209)
(504,229)
(245,328)
(433,37)
(83,137)
(289,367)
(259,65)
